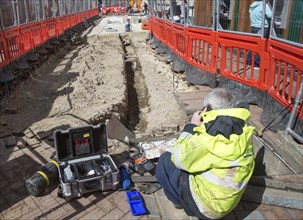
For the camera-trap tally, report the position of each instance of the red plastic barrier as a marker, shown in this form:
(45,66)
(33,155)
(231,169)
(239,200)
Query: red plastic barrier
(80,17)
(106,10)
(73,20)
(202,49)
(14,42)
(161,31)
(26,35)
(169,35)
(123,10)
(51,27)
(156,31)
(3,50)
(36,33)
(96,12)
(44,31)
(234,49)
(116,10)
(65,20)
(59,26)
(180,41)
(286,72)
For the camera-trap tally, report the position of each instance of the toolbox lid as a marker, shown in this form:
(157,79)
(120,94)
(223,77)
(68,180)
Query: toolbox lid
(80,142)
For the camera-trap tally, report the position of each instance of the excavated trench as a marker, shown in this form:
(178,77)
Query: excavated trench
(137,91)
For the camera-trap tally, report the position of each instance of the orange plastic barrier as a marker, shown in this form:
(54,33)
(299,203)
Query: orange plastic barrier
(14,42)
(169,35)
(51,27)
(161,31)
(180,41)
(3,50)
(26,35)
(202,49)
(44,31)
(59,27)
(123,10)
(286,72)
(155,28)
(36,33)
(74,19)
(65,20)
(233,66)
(145,25)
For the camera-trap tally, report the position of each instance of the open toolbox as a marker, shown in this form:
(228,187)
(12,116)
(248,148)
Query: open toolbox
(84,163)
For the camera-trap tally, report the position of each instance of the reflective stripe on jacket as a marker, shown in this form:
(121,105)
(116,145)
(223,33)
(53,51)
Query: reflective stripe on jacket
(219,159)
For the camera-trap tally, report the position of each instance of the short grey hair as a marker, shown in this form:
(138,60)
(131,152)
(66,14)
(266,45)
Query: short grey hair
(219,99)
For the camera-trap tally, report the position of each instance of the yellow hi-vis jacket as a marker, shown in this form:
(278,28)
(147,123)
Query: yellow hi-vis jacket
(219,168)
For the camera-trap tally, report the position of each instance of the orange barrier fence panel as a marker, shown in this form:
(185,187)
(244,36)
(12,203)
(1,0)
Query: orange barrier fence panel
(88,14)
(123,10)
(44,31)
(74,19)
(51,27)
(169,35)
(65,22)
(79,18)
(4,60)
(234,50)
(286,72)
(14,42)
(162,31)
(36,33)
(180,40)
(156,29)
(59,27)
(26,35)
(114,10)
(202,49)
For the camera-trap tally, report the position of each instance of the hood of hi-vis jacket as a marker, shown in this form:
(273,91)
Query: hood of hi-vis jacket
(215,144)
(222,128)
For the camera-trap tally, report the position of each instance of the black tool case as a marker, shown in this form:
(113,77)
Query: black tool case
(84,163)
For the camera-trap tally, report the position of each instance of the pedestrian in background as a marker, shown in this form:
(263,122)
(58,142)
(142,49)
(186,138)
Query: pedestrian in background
(127,26)
(256,20)
(145,8)
(212,161)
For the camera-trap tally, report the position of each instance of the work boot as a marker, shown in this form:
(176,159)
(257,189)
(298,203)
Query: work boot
(178,206)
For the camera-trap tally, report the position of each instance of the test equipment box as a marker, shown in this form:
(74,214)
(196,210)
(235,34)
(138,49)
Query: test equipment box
(84,163)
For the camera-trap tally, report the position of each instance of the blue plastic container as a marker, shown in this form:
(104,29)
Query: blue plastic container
(135,202)
(125,180)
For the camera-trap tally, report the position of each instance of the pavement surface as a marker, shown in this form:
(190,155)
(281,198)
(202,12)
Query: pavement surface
(18,163)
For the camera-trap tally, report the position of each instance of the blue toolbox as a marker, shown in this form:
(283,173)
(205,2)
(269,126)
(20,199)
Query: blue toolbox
(84,163)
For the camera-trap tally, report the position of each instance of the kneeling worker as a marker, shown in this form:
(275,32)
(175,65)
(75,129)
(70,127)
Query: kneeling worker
(212,161)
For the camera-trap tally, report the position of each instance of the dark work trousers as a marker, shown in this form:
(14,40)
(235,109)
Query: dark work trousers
(172,179)
(168,175)
(257,56)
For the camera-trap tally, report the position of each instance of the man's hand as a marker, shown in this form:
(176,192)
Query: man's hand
(196,119)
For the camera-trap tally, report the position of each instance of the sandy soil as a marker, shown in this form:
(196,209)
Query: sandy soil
(112,73)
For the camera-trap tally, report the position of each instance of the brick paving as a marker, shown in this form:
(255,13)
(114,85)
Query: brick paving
(19,163)
(15,203)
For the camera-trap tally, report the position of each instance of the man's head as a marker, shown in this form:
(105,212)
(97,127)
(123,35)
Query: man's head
(219,99)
